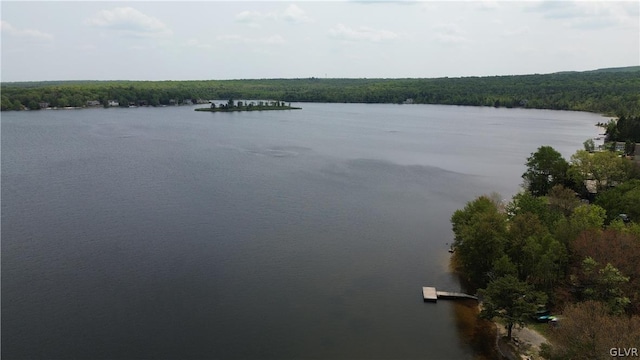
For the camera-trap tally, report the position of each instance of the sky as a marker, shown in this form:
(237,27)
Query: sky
(171,40)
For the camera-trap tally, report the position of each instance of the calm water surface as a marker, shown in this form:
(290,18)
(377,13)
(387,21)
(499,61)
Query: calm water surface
(169,233)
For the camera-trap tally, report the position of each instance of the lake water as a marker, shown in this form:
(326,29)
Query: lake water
(169,233)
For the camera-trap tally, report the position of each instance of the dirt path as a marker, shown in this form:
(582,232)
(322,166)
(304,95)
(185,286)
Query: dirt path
(528,341)
(530,336)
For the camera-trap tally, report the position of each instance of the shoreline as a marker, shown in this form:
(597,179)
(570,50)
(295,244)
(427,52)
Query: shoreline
(526,341)
(602,114)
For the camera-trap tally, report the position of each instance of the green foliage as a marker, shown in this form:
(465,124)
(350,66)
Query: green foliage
(545,169)
(556,244)
(583,218)
(587,217)
(549,264)
(611,130)
(538,257)
(626,129)
(610,281)
(605,168)
(622,199)
(6,104)
(523,228)
(526,203)
(510,299)
(602,92)
(633,229)
(503,267)
(480,231)
(589,145)
(464,218)
(604,284)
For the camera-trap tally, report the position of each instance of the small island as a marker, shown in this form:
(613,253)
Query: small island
(249,106)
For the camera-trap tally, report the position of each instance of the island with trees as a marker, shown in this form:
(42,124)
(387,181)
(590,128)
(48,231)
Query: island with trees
(232,105)
(567,245)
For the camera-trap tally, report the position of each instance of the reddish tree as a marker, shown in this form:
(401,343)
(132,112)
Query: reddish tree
(616,248)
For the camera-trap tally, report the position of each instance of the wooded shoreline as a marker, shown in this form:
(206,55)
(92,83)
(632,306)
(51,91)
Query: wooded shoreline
(560,252)
(606,91)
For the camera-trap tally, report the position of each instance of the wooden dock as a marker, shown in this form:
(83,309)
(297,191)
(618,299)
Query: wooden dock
(432,295)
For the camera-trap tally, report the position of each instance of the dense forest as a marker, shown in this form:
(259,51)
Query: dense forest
(568,244)
(608,91)
(625,129)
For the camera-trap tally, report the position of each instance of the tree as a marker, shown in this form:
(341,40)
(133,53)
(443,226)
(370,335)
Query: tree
(584,217)
(605,168)
(464,217)
(230,103)
(589,145)
(563,199)
(510,299)
(522,227)
(6,104)
(588,331)
(545,168)
(524,202)
(33,105)
(610,282)
(503,267)
(480,231)
(603,284)
(154,100)
(587,217)
(623,199)
(611,130)
(17,105)
(539,258)
(619,248)
(627,129)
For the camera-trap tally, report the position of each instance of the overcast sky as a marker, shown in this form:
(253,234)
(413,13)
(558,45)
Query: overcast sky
(282,39)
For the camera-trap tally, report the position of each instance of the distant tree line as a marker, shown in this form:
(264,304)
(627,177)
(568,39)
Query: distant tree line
(598,91)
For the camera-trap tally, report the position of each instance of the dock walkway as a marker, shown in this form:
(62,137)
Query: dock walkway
(432,295)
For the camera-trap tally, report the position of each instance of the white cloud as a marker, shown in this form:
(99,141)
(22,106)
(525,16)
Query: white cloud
(362,33)
(129,21)
(293,14)
(239,39)
(230,38)
(275,40)
(195,43)
(250,18)
(489,5)
(522,30)
(450,34)
(589,14)
(32,34)
(554,9)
